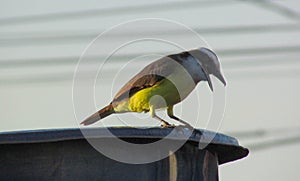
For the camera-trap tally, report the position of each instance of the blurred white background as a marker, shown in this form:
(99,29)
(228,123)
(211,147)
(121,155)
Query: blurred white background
(257,41)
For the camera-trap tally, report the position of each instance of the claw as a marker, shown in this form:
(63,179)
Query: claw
(167,125)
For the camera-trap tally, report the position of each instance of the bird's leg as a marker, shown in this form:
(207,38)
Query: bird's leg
(164,123)
(171,115)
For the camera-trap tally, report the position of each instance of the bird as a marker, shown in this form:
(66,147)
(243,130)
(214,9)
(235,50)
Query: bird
(162,84)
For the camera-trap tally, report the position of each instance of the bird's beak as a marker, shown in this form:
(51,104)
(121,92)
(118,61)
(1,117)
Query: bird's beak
(221,78)
(208,79)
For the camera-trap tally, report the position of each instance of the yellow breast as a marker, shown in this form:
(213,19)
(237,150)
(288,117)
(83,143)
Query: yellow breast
(161,95)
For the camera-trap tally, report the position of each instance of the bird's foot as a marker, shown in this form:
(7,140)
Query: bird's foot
(167,125)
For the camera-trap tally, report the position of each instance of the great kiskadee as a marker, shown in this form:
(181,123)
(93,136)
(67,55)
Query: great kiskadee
(171,78)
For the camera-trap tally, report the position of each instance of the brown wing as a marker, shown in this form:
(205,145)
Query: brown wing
(149,76)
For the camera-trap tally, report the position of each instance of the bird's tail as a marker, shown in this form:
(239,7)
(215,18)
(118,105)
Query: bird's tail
(106,111)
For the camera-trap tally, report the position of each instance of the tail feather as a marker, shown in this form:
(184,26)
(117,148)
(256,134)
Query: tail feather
(106,111)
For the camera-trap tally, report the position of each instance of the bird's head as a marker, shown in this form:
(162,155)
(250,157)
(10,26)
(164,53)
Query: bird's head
(209,63)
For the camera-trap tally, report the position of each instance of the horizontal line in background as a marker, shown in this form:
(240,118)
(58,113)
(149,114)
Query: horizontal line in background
(115,11)
(258,51)
(92,59)
(46,38)
(260,133)
(269,138)
(249,63)
(68,77)
(274,143)
(277,7)
(276,74)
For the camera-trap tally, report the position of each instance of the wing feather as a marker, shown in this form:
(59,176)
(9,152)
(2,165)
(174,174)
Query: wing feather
(148,77)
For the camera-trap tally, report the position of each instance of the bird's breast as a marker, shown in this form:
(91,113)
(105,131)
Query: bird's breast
(163,94)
